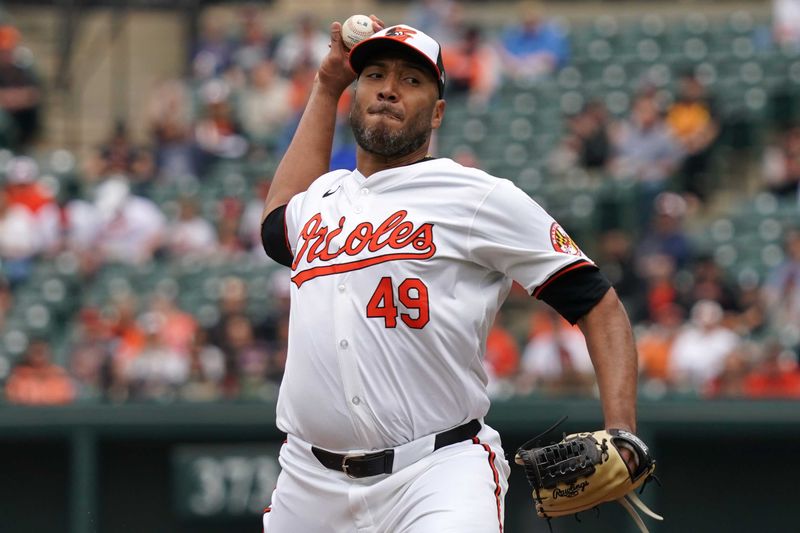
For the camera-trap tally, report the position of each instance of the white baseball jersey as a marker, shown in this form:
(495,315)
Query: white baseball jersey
(396,281)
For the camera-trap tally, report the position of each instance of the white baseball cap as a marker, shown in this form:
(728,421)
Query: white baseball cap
(403,38)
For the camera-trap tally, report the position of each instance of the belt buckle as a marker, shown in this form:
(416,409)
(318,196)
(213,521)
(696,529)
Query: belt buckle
(345,466)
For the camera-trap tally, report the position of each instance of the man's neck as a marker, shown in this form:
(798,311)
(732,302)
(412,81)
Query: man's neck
(368,163)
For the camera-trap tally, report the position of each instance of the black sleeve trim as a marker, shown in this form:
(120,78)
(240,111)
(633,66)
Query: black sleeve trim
(274,237)
(574,292)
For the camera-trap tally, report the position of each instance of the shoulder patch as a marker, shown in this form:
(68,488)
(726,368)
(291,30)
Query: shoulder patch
(561,241)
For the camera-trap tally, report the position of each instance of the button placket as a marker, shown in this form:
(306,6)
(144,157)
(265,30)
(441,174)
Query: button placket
(346,351)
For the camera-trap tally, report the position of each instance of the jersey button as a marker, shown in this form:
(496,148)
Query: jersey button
(357,209)
(365,191)
(343,343)
(341,288)
(356,400)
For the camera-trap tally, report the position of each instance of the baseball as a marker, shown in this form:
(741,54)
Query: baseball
(356,29)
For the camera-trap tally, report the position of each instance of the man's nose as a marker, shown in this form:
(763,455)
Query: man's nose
(389,91)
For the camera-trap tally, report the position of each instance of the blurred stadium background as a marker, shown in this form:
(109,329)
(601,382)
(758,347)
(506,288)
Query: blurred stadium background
(142,328)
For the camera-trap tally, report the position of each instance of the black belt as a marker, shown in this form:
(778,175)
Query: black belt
(358,465)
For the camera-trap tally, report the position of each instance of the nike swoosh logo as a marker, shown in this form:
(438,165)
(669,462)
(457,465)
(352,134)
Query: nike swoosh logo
(328,193)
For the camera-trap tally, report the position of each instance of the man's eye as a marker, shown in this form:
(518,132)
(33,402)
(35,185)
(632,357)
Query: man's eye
(412,80)
(374,75)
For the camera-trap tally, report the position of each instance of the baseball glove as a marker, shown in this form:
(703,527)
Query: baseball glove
(584,470)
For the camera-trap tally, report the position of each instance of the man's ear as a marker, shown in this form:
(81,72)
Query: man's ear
(438,113)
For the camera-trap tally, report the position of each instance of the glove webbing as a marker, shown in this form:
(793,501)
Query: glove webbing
(565,461)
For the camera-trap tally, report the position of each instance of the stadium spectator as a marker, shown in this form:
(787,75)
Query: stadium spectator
(250,358)
(233,302)
(264,107)
(781,165)
(6,300)
(128,341)
(20,92)
(157,371)
(534,48)
(666,234)
(587,143)
(752,320)
(119,155)
(654,343)
(77,227)
(710,283)
(36,380)
(24,188)
(471,67)
(693,122)
(555,360)
(781,291)
(501,359)
(21,239)
(212,54)
(250,225)
(440,17)
(178,328)
(658,272)
(218,134)
(775,376)
(131,227)
(190,234)
(305,44)
(229,238)
(616,258)
(206,372)
(170,123)
(786,23)
(700,349)
(300,82)
(730,382)
(256,44)
(645,149)
(91,354)
(343,153)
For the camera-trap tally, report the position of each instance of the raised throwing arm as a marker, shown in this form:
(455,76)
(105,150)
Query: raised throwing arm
(308,156)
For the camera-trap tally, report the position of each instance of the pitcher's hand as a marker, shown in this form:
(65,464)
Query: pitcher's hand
(335,74)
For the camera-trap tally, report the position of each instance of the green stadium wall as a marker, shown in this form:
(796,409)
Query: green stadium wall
(726,466)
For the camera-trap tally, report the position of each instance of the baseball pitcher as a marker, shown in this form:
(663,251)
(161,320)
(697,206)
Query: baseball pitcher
(397,271)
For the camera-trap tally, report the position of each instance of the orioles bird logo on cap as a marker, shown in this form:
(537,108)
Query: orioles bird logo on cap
(400,33)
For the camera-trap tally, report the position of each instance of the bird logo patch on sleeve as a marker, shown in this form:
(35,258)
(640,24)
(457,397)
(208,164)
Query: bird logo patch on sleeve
(561,241)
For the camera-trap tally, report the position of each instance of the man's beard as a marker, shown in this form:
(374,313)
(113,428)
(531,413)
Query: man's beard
(388,142)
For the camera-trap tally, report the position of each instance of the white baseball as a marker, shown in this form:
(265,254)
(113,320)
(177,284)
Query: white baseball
(356,29)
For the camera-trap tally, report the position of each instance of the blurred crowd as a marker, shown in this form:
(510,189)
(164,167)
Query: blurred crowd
(699,331)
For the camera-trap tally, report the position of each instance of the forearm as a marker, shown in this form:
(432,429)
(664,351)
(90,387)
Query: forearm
(309,153)
(610,342)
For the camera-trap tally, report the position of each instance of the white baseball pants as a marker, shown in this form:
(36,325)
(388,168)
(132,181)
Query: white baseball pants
(459,488)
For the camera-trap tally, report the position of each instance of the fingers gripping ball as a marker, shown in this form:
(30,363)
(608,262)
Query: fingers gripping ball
(585,470)
(356,29)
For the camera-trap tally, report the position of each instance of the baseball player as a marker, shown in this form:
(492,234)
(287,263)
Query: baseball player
(397,271)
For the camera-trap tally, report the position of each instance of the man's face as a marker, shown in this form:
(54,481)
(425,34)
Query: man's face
(395,108)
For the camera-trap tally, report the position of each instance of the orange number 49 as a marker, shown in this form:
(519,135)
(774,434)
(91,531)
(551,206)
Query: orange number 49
(412,294)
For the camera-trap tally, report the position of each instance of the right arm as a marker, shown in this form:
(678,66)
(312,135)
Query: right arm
(308,156)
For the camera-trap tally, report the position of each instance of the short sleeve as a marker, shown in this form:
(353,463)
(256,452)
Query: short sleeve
(512,234)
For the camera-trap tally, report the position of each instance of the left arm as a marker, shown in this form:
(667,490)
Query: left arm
(609,339)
